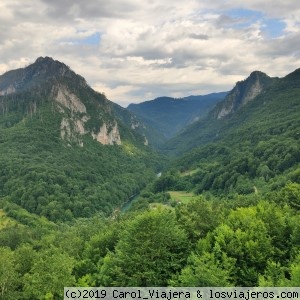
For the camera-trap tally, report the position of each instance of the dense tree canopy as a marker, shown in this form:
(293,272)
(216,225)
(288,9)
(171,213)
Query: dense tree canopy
(150,249)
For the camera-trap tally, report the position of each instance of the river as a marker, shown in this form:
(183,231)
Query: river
(128,203)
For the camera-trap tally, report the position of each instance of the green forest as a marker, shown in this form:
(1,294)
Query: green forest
(244,241)
(219,206)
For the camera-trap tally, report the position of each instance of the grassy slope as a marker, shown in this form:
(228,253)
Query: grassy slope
(182,196)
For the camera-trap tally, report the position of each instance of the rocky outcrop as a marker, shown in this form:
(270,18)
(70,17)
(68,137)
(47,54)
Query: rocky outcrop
(72,131)
(72,128)
(146,142)
(69,100)
(108,135)
(7,90)
(225,110)
(65,129)
(244,92)
(135,124)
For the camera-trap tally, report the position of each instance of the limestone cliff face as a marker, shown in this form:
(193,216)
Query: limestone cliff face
(244,92)
(69,100)
(7,90)
(72,130)
(73,127)
(108,135)
(146,142)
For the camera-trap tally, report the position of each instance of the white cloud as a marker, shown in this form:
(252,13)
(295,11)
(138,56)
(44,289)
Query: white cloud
(152,48)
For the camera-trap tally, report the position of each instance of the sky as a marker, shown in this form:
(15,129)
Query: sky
(137,50)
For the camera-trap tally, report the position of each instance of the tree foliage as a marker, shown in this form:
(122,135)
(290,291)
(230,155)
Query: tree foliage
(151,248)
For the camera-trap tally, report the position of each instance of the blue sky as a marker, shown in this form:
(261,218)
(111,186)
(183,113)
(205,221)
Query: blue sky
(93,39)
(135,50)
(271,27)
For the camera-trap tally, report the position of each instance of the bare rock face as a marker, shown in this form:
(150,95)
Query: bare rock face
(146,142)
(69,100)
(72,128)
(8,90)
(225,110)
(244,92)
(108,135)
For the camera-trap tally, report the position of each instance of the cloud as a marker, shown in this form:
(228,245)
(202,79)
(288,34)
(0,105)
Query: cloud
(135,50)
(64,10)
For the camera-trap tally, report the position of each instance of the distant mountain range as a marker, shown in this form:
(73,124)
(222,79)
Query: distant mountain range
(170,115)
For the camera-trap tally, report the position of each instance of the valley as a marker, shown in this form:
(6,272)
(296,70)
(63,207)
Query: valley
(81,202)
(170,115)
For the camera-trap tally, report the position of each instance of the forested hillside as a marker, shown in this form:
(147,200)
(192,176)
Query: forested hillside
(252,151)
(223,209)
(64,154)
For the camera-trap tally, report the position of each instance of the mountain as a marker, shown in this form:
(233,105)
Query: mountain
(244,92)
(253,148)
(256,99)
(90,111)
(65,152)
(170,115)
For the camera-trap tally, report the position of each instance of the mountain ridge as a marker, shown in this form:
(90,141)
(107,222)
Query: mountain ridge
(170,115)
(238,109)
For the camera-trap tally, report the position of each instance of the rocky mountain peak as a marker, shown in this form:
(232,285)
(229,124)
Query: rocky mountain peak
(257,74)
(243,92)
(52,67)
(43,69)
(45,59)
